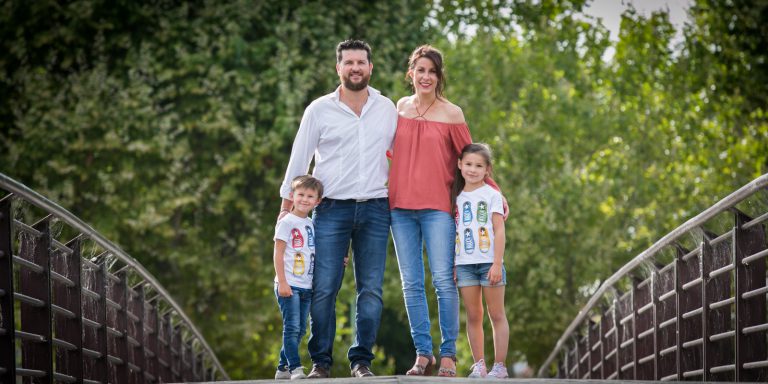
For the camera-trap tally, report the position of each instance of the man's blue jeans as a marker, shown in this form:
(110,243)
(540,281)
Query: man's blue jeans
(412,230)
(366,225)
(294,309)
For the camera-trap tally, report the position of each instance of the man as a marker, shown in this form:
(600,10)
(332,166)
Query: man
(348,132)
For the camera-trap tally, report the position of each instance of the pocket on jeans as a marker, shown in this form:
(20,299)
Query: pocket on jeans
(382,204)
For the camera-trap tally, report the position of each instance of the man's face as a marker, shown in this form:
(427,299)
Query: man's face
(354,69)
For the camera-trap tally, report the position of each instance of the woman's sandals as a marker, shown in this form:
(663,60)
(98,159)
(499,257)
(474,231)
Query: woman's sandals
(423,369)
(447,372)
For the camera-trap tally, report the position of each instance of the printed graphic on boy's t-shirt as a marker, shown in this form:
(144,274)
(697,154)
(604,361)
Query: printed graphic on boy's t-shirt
(467,213)
(297,240)
(482,212)
(298,264)
(310,236)
(311,264)
(456,215)
(469,241)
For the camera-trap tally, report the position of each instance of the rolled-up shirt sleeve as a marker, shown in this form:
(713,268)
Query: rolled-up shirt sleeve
(304,147)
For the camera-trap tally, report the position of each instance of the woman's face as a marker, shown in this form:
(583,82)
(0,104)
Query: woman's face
(424,76)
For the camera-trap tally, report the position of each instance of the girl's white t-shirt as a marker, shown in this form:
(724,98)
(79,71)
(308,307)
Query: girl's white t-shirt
(299,256)
(474,227)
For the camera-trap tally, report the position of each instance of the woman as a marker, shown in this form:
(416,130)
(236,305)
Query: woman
(431,133)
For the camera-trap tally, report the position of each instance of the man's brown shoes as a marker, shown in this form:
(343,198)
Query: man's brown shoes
(360,370)
(318,372)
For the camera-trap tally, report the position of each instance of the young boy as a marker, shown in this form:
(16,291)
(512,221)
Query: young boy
(294,260)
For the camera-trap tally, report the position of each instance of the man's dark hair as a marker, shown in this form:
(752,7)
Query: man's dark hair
(351,44)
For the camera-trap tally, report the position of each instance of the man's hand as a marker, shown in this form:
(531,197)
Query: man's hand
(285,207)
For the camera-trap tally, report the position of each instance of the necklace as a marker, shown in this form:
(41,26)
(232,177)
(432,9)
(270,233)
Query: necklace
(421,115)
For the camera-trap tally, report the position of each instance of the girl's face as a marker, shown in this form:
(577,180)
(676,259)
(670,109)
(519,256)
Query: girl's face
(473,168)
(424,76)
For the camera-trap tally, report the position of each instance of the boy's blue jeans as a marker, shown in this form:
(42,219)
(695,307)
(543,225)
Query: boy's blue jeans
(294,309)
(366,225)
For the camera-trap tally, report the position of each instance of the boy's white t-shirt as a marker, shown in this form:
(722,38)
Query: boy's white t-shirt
(299,256)
(474,227)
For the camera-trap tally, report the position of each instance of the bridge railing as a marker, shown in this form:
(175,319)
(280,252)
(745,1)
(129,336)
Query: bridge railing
(74,307)
(690,307)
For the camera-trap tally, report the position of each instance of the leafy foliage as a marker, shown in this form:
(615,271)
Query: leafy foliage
(167,125)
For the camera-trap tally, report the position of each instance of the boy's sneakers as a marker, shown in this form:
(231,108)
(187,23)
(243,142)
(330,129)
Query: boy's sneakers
(298,373)
(479,370)
(282,375)
(499,371)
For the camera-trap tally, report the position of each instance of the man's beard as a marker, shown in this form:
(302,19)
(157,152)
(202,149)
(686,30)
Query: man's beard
(359,86)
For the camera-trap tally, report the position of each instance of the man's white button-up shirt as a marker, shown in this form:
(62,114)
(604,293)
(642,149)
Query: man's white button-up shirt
(350,151)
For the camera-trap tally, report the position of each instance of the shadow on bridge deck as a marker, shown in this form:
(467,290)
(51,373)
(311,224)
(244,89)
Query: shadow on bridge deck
(433,379)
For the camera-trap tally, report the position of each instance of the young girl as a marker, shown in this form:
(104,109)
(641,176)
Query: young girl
(479,257)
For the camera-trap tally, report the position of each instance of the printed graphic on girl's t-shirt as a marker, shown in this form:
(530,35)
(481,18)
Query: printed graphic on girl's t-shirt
(469,241)
(298,264)
(467,213)
(311,263)
(297,240)
(484,240)
(482,212)
(310,236)
(457,248)
(456,216)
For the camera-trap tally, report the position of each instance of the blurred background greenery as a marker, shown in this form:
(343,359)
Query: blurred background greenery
(167,125)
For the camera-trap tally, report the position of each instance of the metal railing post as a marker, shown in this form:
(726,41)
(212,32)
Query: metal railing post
(119,293)
(749,312)
(157,368)
(68,296)
(7,316)
(36,312)
(176,351)
(138,350)
(655,288)
(593,345)
(717,351)
(101,366)
(689,316)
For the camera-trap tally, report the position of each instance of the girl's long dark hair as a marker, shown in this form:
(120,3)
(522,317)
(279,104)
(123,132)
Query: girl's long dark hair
(481,149)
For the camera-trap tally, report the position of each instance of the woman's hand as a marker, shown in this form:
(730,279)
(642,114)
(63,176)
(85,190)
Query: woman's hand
(506,207)
(284,290)
(494,274)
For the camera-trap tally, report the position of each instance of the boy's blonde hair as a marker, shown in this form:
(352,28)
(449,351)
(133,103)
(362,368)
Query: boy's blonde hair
(307,182)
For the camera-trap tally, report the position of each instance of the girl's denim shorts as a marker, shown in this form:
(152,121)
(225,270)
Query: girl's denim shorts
(469,275)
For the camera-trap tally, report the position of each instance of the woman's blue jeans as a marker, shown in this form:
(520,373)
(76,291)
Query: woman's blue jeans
(294,309)
(412,230)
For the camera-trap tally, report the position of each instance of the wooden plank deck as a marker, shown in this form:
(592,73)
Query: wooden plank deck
(435,379)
